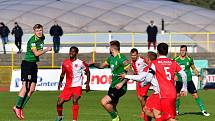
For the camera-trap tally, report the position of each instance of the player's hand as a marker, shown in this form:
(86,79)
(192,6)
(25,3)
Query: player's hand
(59,85)
(49,48)
(143,83)
(91,65)
(175,78)
(87,88)
(119,85)
(183,93)
(200,78)
(122,76)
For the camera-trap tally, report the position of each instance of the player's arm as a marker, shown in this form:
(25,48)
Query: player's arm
(139,77)
(61,77)
(196,72)
(87,73)
(99,65)
(184,78)
(40,52)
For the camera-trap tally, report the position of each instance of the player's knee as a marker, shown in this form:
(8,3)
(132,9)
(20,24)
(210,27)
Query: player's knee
(59,103)
(75,100)
(140,98)
(103,101)
(30,92)
(171,119)
(178,95)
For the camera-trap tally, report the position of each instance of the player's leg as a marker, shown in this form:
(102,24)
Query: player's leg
(152,107)
(110,99)
(157,114)
(142,96)
(148,114)
(179,85)
(64,97)
(75,107)
(25,72)
(168,109)
(30,84)
(114,107)
(142,104)
(76,95)
(193,91)
(59,108)
(17,107)
(108,106)
(27,97)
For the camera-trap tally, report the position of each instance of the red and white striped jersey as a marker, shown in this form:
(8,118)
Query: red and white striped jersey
(74,71)
(138,65)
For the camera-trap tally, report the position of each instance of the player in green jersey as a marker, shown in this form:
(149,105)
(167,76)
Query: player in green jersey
(118,64)
(29,69)
(186,62)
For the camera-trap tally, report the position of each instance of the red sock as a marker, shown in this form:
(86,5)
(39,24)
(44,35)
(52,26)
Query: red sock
(146,118)
(75,108)
(59,110)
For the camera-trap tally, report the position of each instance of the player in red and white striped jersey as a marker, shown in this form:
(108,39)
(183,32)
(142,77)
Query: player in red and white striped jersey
(73,68)
(138,64)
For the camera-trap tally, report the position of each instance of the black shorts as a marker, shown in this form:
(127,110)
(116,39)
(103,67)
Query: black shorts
(190,87)
(29,71)
(115,94)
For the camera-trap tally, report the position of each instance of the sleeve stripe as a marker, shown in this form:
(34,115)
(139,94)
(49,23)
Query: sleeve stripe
(33,47)
(126,67)
(106,62)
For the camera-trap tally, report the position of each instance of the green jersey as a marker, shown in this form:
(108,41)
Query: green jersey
(185,64)
(33,42)
(118,65)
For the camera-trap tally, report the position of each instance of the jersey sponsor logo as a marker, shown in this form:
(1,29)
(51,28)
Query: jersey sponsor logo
(76,65)
(164,62)
(112,67)
(187,63)
(41,45)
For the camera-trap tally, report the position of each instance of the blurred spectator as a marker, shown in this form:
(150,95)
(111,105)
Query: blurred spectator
(56,31)
(17,32)
(4,31)
(152,34)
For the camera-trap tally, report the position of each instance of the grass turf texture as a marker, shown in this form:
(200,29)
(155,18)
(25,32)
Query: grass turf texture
(41,107)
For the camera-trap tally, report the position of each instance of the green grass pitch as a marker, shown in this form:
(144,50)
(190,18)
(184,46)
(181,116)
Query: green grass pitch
(41,107)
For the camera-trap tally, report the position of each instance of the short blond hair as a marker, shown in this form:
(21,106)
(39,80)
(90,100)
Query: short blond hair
(37,26)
